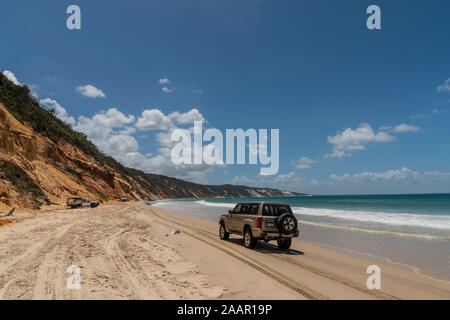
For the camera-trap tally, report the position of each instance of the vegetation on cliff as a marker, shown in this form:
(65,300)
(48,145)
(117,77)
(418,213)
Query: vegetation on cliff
(23,183)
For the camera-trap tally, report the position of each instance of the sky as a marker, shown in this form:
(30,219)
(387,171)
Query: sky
(359,111)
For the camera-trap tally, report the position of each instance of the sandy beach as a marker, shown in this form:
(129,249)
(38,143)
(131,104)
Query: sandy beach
(127,251)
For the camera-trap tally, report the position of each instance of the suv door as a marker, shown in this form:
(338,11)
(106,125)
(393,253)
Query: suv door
(248,211)
(237,219)
(233,216)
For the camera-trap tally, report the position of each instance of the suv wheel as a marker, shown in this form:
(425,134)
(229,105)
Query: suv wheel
(224,235)
(284,244)
(249,241)
(287,223)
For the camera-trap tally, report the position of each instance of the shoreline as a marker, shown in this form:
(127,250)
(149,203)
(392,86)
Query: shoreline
(354,252)
(427,254)
(128,251)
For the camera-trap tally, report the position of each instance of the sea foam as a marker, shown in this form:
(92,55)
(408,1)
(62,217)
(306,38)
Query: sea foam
(439,222)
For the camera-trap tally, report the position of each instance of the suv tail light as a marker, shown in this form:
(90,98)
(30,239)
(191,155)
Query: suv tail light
(259,222)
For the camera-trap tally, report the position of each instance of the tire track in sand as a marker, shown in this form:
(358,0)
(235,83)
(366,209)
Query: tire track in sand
(124,267)
(268,271)
(19,272)
(377,294)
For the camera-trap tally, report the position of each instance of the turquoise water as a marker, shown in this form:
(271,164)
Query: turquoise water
(413,230)
(429,204)
(426,216)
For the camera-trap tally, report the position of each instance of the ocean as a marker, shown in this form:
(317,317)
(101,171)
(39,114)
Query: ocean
(411,230)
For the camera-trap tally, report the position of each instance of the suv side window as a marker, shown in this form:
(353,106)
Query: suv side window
(245,209)
(237,209)
(254,209)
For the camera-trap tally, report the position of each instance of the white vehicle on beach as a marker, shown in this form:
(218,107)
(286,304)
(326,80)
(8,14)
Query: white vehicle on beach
(260,221)
(77,202)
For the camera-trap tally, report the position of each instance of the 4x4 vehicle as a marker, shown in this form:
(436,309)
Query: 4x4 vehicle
(77,202)
(260,221)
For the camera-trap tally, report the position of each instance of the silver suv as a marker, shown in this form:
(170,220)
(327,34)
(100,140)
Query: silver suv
(260,221)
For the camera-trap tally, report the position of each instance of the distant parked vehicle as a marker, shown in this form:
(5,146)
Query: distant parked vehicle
(124,200)
(77,202)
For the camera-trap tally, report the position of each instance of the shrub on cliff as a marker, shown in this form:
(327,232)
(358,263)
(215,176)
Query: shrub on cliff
(22,182)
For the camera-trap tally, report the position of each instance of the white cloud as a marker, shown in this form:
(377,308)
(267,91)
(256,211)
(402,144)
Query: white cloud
(402,180)
(128,130)
(164,81)
(90,91)
(60,112)
(166,84)
(100,127)
(161,162)
(167,89)
(11,77)
(243,181)
(112,118)
(390,175)
(188,117)
(153,119)
(303,163)
(445,87)
(401,128)
(121,143)
(435,111)
(441,176)
(112,132)
(419,116)
(287,179)
(349,140)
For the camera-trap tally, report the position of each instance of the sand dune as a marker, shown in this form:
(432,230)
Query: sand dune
(126,251)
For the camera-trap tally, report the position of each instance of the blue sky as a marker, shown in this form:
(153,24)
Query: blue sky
(359,111)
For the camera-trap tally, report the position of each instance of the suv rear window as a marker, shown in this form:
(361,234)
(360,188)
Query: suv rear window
(275,210)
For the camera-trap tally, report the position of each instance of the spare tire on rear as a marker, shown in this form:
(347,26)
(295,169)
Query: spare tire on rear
(287,223)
